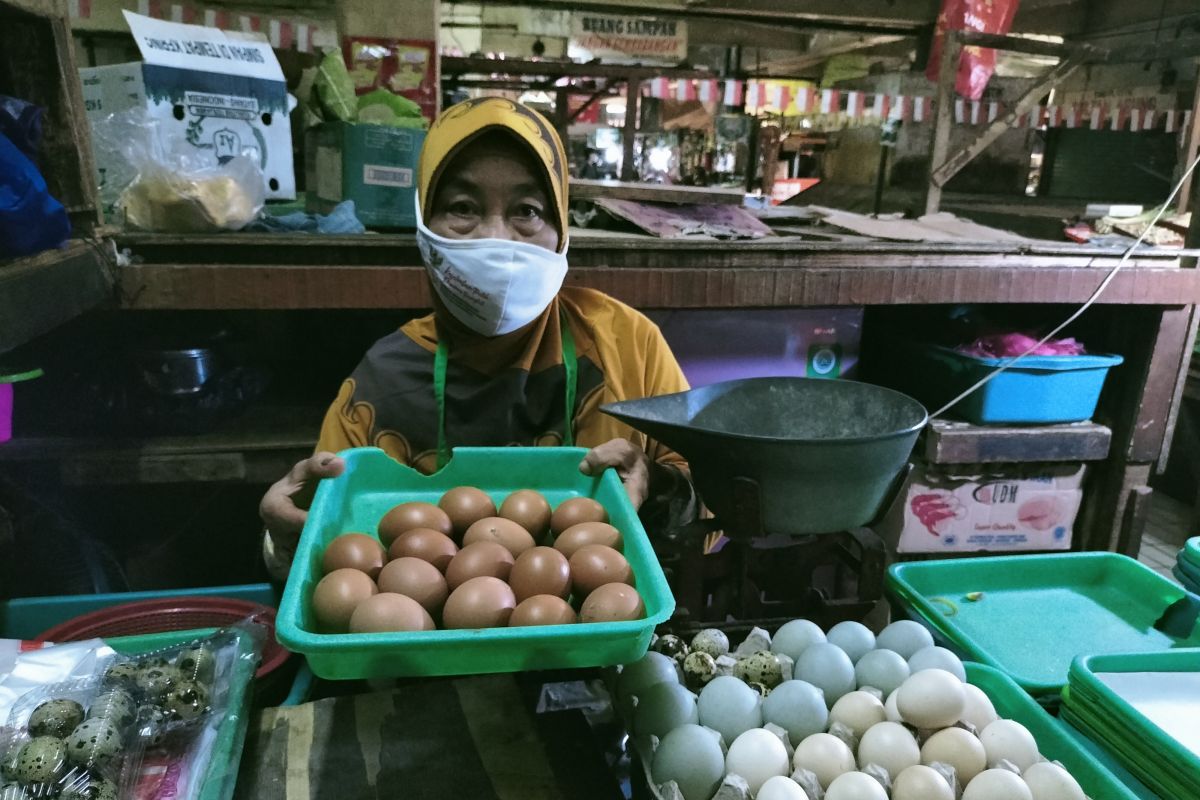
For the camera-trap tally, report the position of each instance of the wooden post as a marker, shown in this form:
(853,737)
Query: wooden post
(1191,145)
(943,116)
(562,113)
(633,91)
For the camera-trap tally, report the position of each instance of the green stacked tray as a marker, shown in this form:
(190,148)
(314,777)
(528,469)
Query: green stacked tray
(374,482)
(1150,721)
(1030,616)
(1187,565)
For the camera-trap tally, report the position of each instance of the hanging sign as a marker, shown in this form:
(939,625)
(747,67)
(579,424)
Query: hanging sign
(976,64)
(624,38)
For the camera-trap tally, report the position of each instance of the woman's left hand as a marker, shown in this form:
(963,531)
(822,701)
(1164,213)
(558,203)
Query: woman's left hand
(631,463)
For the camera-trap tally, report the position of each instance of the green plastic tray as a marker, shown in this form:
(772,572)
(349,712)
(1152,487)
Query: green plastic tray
(1038,612)
(220,776)
(1012,702)
(1106,760)
(1147,750)
(373,483)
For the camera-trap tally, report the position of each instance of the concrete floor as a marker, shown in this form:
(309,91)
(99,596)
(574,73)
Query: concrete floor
(1167,528)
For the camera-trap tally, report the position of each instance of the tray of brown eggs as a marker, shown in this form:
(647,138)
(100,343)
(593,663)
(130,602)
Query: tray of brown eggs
(507,559)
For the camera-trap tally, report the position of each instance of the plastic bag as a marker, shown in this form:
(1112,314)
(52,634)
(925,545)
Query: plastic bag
(385,108)
(30,219)
(335,89)
(21,122)
(174,191)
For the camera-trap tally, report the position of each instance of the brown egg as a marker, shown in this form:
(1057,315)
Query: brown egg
(612,602)
(389,613)
(417,579)
(528,509)
(574,511)
(540,570)
(407,516)
(353,551)
(584,533)
(475,560)
(465,506)
(425,544)
(512,536)
(542,609)
(482,602)
(594,565)
(337,595)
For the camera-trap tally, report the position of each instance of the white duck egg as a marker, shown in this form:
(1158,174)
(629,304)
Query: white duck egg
(730,707)
(794,637)
(828,668)
(826,756)
(1007,740)
(888,745)
(781,788)
(855,786)
(757,755)
(692,757)
(890,709)
(904,637)
(932,698)
(855,639)
(1047,781)
(997,784)
(978,710)
(883,669)
(959,748)
(858,711)
(650,669)
(662,708)
(798,707)
(937,658)
(920,782)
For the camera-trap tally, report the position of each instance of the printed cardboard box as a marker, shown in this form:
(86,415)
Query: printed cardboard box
(972,508)
(217,95)
(373,165)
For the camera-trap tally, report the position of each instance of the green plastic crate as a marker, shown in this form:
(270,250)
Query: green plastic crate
(1012,702)
(374,482)
(220,775)
(1036,613)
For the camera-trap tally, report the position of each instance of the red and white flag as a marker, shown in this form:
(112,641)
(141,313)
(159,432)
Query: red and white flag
(805,98)
(1149,117)
(1169,119)
(660,88)
(1070,116)
(1119,118)
(707,91)
(1098,117)
(920,109)
(176,12)
(993,111)
(830,101)
(304,37)
(856,103)
(958,110)
(782,99)
(733,93)
(882,106)
(1135,119)
(1053,116)
(976,112)
(754,93)
(685,90)
(1037,116)
(79,9)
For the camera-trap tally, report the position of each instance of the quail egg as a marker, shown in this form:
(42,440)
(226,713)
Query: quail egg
(55,718)
(89,787)
(116,705)
(698,669)
(155,681)
(41,760)
(197,663)
(186,701)
(154,729)
(763,667)
(13,791)
(671,646)
(124,673)
(95,743)
(8,764)
(711,641)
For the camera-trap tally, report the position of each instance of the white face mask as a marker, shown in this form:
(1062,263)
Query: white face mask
(493,286)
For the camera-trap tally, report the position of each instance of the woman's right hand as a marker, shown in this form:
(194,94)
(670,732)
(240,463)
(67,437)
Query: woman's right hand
(284,507)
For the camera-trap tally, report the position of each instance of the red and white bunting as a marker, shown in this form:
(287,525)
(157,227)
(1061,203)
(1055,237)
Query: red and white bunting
(805,99)
(958,110)
(1120,117)
(993,111)
(882,106)
(1149,117)
(733,93)
(1053,116)
(856,103)
(79,9)
(685,90)
(920,109)
(304,37)
(781,98)
(1135,119)
(660,88)
(707,91)
(1071,116)
(754,94)
(1169,119)
(831,101)
(1099,117)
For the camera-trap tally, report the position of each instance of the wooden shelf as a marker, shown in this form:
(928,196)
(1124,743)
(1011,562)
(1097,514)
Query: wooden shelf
(258,446)
(43,291)
(962,443)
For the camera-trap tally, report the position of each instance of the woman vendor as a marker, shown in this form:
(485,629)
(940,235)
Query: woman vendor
(509,356)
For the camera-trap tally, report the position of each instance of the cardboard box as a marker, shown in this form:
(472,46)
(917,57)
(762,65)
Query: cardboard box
(373,165)
(974,508)
(216,94)
(715,345)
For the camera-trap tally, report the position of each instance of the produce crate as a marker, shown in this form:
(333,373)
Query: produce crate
(374,482)
(1032,615)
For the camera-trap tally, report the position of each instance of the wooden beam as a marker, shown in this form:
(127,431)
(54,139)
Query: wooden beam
(1017,44)
(39,293)
(1190,148)
(454,65)
(582,189)
(949,167)
(632,98)
(943,110)
(786,66)
(577,113)
(961,443)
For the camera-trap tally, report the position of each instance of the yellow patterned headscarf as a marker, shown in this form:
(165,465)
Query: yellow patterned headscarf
(461,123)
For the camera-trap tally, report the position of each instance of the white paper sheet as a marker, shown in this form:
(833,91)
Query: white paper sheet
(1171,700)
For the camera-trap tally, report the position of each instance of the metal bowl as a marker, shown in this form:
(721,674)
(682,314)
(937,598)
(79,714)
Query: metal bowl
(177,372)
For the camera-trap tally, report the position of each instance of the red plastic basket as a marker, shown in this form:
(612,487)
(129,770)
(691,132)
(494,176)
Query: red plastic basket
(172,614)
